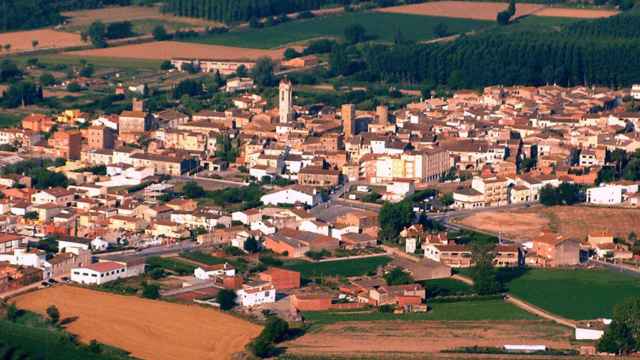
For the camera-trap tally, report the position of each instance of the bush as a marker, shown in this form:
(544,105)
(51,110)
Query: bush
(226,298)
(150,291)
(160,33)
(291,53)
(54,314)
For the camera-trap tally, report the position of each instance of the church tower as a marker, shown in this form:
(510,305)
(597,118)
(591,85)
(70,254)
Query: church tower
(286,101)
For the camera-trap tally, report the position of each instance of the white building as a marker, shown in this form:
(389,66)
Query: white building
(591,330)
(33,258)
(99,273)
(635,91)
(256,293)
(292,195)
(605,195)
(213,271)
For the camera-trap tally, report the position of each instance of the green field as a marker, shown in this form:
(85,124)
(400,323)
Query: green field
(201,257)
(380,26)
(98,62)
(30,337)
(173,265)
(446,287)
(575,294)
(458,311)
(357,267)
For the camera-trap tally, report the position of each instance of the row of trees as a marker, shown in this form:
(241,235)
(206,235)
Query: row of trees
(27,14)
(239,10)
(625,166)
(563,57)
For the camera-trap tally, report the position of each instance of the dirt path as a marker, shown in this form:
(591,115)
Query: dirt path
(539,312)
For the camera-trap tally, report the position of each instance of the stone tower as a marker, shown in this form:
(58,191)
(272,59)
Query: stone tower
(286,101)
(383,114)
(348,113)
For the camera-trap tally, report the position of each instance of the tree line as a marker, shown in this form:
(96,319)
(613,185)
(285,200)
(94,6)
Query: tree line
(554,57)
(239,10)
(27,14)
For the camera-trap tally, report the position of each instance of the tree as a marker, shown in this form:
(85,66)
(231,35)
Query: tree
(94,346)
(628,313)
(354,34)
(150,291)
(7,47)
(397,276)
(441,30)
(46,79)
(485,281)
(617,339)
(393,218)
(166,65)
(31,215)
(251,245)
(254,23)
(241,71)
(226,298)
(160,33)
(193,190)
(12,312)
(34,43)
(97,33)
(87,70)
(9,71)
(275,330)
(338,60)
(261,347)
(291,53)
(54,314)
(263,72)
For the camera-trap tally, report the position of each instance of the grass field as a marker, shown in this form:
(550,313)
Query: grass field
(446,287)
(575,294)
(455,311)
(173,265)
(97,61)
(381,26)
(34,336)
(201,257)
(355,267)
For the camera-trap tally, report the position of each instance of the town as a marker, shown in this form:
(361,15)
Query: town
(308,200)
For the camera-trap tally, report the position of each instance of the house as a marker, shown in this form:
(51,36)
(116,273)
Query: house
(292,195)
(57,196)
(401,295)
(600,237)
(357,241)
(282,279)
(317,176)
(552,250)
(605,195)
(99,273)
(246,217)
(453,255)
(74,245)
(256,293)
(9,242)
(212,271)
(613,251)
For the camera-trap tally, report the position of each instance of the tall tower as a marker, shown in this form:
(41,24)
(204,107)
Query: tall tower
(348,112)
(286,101)
(383,114)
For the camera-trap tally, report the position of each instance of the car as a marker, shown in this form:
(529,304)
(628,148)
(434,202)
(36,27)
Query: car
(45,284)
(52,281)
